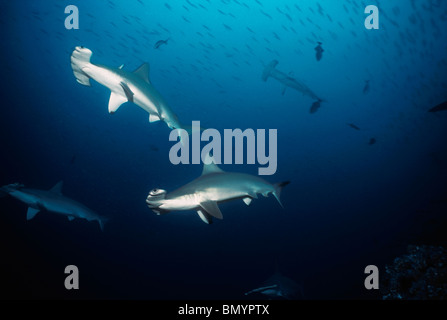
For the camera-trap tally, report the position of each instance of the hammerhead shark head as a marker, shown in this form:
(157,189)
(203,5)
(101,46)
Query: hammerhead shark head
(279,286)
(125,86)
(52,201)
(213,186)
(271,71)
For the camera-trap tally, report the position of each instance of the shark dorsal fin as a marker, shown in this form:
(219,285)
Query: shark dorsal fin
(143,72)
(58,187)
(209,166)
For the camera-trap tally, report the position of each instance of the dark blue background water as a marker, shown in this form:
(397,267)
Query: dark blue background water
(350,204)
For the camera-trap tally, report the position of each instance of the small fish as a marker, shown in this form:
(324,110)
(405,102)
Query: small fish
(353,126)
(372,141)
(366,88)
(439,107)
(319,51)
(160,42)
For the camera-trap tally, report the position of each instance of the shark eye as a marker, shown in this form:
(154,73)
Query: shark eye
(156,192)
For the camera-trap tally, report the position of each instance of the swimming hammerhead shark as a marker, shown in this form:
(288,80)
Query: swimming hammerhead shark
(125,86)
(279,286)
(213,186)
(271,71)
(51,201)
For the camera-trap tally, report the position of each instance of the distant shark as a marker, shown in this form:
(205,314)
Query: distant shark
(439,107)
(125,86)
(279,286)
(271,71)
(213,186)
(319,51)
(52,201)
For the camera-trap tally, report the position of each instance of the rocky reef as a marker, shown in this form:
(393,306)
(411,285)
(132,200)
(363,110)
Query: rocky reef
(420,274)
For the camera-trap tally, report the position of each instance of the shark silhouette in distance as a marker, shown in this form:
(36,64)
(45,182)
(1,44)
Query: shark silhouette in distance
(271,71)
(319,51)
(440,107)
(212,187)
(51,201)
(278,287)
(125,87)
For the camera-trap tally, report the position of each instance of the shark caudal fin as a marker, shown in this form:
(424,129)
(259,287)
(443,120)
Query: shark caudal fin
(80,58)
(191,129)
(278,188)
(184,131)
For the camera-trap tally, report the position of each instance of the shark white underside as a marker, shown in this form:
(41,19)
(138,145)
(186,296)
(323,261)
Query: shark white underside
(212,187)
(124,86)
(52,201)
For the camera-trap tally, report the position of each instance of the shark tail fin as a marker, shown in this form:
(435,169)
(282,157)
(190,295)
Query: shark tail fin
(278,188)
(191,129)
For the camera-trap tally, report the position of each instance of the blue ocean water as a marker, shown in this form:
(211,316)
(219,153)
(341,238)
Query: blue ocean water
(352,201)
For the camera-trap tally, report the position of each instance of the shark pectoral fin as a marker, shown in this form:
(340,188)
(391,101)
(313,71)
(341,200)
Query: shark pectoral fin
(70,218)
(247,200)
(31,213)
(129,94)
(116,101)
(153,117)
(205,217)
(212,208)
(101,222)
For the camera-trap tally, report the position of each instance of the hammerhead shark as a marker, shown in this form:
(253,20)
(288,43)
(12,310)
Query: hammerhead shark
(279,286)
(271,71)
(213,186)
(52,201)
(125,86)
